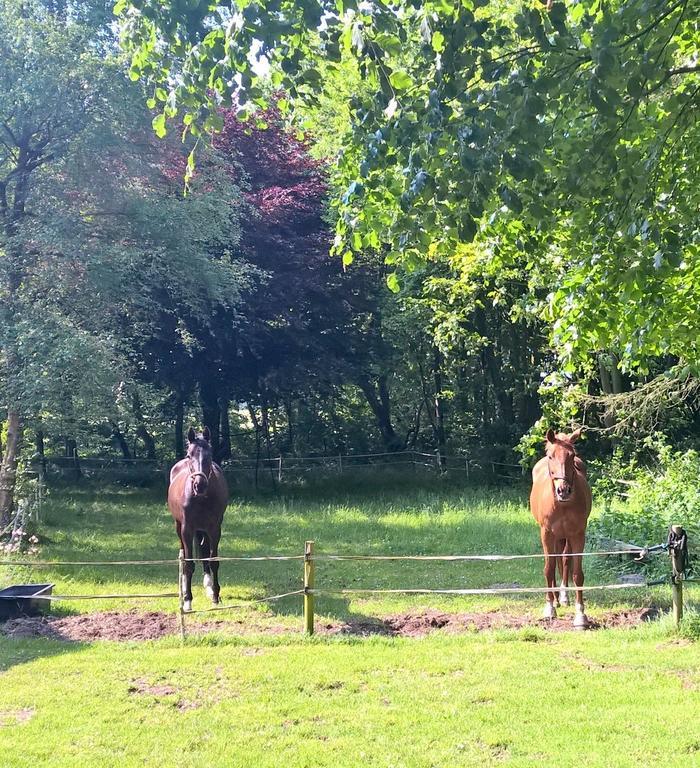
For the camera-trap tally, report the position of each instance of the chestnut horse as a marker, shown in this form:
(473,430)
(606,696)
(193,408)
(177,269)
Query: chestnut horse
(197,499)
(560,501)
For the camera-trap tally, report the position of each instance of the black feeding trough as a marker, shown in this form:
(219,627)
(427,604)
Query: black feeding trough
(24,600)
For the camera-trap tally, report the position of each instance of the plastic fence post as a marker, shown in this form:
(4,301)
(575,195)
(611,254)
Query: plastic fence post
(180,592)
(309,567)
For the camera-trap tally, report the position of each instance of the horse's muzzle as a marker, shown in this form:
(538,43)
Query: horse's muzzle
(200,483)
(563,492)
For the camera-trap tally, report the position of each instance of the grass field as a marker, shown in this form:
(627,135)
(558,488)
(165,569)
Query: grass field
(507,697)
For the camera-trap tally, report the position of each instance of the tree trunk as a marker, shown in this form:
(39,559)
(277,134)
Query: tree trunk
(8,468)
(618,383)
(141,431)
(439,409)
(289,411)
(179,428)
(224,451)
(147,439)
(120,440)
(611,382)
(211,416)
(72,452)
(493,367)
(256,424)
(40,452)
(379,401)
(265,411)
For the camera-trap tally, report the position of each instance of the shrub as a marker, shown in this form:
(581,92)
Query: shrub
(664,493)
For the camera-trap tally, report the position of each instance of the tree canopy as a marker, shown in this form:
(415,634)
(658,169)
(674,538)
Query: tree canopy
(566,131)
(522,177)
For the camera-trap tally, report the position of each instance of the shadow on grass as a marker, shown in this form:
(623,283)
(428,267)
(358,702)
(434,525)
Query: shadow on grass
(22,650)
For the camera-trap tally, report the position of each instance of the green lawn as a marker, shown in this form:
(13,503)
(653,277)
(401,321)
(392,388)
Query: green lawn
(517,698)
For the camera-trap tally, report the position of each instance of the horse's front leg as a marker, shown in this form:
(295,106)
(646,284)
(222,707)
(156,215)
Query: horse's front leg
(580,618)
(564,572)
(550,572)
(215,586)
(187,540)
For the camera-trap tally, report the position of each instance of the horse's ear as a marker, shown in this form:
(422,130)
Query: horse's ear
(551,435)
(191,435)
(206,434)
(574,436)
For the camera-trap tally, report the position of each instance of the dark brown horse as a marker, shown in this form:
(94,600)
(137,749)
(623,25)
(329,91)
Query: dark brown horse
(560,501)
(197,499)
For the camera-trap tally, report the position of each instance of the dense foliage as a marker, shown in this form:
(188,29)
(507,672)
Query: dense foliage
(522,178)
(567,132)
(660,492)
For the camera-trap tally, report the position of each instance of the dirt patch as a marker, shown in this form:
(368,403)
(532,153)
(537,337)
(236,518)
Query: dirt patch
(132,625)
(422,623)
(16,717)
(106,625)
(145,688)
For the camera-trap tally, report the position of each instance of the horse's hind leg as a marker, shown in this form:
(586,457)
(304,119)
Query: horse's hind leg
(216,587)
(205,552)
(564,573)
(580,618)
(550,572)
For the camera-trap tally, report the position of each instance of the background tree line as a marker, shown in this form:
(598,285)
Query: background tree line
(432,149)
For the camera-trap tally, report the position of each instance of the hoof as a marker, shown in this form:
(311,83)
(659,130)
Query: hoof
(187,606)
(580,621)
(563,597)
(550,612)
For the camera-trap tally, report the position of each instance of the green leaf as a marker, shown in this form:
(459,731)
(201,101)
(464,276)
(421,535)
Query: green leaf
(400,80)
(635,86)
(438,41)
(578,12)
(392,282)
(159,126)
(467,229)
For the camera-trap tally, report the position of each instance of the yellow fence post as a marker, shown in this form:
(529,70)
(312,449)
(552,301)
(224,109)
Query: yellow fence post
(308,585)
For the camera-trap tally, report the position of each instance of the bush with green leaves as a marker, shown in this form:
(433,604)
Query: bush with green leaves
(664,493)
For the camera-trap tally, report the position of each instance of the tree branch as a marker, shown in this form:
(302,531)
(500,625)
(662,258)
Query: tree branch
(651,26)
